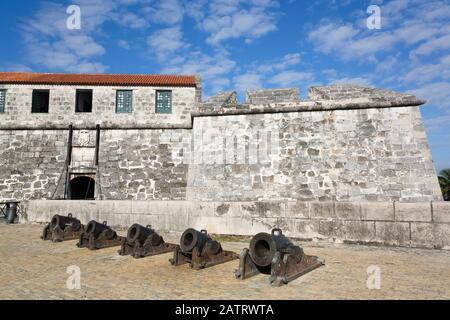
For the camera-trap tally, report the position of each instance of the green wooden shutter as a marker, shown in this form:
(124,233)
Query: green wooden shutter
(163,101)
(124,102)
(2,100)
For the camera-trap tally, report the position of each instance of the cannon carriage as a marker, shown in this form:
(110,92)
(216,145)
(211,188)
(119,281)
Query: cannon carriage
(143,242)
(62,228)
(276,255)
(98,235)
(200,251)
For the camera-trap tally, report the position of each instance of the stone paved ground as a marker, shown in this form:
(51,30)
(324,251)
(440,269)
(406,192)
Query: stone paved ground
(36,269)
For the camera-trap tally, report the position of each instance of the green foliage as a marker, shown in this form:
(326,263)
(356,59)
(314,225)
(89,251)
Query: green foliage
(444,182)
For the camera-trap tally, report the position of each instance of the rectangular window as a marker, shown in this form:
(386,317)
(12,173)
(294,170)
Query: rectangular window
(83,101)
(40,101)
(124,101)
(163,101)
(2,100)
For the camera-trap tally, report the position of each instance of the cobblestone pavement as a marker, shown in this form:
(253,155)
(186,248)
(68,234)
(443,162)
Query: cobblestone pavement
(36,269)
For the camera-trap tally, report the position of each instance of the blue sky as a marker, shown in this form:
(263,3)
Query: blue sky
(246,44)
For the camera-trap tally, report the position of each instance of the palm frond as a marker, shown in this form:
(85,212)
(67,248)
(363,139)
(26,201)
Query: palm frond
(445,174)
(444,181)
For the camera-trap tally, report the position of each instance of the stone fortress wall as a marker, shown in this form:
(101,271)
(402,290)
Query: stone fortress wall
(345,143)
(350,164)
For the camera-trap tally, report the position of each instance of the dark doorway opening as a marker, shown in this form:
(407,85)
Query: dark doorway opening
(82,188)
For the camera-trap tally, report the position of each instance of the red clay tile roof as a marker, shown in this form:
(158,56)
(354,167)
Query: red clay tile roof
(97,79)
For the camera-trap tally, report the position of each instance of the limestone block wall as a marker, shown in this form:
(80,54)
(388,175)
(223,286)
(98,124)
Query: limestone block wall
(340,155)
(272,96)
(419,225)
(31,163)
(336,155)
(62,108)
(143,164)
(134,164)
(345,144)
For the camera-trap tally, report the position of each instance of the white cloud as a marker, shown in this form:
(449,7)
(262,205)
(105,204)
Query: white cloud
(435,11)
(277,73)
(168,12)
(208,66)
(131,20)
(250,24)
(438,123)
(53,47)
(436,94)
(124,44)
(290,78)
(428,72)
(349,43)
(412,48)
(414,31)
(433,45)
(165,42)
(288,60)
(386,64)
(403,23)
(81,45)
(248,81)
(332,37)
(330,73)
(181,58)
(19,68)
(233,19)
(355,81)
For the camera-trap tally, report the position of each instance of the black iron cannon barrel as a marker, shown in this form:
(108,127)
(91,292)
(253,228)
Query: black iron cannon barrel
(139,233)
(155,239)
(64,221)
(263,246)
(213,247)
(192,238)
(95,228)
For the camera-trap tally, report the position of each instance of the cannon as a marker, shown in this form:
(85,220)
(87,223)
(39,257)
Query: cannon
(276,255)
(98,235)
(143,242)
(200,251)
(62,228)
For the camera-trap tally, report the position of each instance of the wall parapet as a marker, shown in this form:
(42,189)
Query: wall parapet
(272,96)
(346,91)
(307,106)
(416,225)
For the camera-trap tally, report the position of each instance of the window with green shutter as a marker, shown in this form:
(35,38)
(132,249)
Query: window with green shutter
(2,100)
(163,101)
(124,101)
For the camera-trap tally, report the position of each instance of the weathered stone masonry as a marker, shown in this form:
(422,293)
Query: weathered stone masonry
(347,144)
(343,155)
(350,164)
(31,162)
